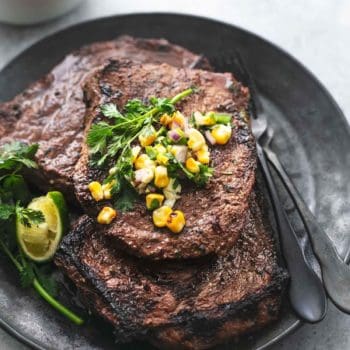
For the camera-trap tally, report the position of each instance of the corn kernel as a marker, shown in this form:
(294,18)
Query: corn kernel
(154,200)
(148,137)
(159,148)
(161,215)
(176,221)
(162,159)
(106,215)
(178,120)
(204,120)
(192,165)
(221,133)
(165,119)
(161,178)
(106,188)
(135,151)
(144,161)
(208,120)
(203,155)
(196,140)
(96,190)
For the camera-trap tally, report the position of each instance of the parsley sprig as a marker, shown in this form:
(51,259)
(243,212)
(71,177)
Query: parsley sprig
(14,196)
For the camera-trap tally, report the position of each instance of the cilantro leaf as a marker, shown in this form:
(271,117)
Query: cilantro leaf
(110,110)
(16,189)
(17,154)
(28,216)
(98,136)
(126,197)
(164,105)
(20,149)
(6,211)
(136,106)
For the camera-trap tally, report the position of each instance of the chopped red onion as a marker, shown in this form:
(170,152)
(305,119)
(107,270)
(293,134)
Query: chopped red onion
(174,135)
(180,153)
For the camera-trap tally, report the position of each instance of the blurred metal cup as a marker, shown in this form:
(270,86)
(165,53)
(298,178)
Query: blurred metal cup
(23,12)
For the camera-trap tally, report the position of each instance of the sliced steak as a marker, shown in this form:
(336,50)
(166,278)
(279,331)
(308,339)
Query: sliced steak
(51,111)
(187,305)
(214,214)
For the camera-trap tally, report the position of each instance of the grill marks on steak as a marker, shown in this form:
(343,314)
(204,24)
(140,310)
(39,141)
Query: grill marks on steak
(193,304)
(51,111)
(261,312)
(214,214)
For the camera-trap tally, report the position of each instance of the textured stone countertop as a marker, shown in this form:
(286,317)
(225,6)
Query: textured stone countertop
(315,32)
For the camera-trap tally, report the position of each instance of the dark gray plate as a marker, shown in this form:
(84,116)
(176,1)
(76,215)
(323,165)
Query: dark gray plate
(312,138)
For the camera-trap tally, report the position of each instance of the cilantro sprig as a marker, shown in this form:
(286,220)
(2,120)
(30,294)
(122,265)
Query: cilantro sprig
(29,217)
(108,140)
(15,155)
(14,196)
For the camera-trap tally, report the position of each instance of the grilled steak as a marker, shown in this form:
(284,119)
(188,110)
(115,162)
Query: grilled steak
(225,198)
(51,111)
(193,304)
(228,282)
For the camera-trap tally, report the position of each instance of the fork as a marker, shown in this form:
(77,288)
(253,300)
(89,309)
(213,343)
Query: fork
(306,292)
(335,271)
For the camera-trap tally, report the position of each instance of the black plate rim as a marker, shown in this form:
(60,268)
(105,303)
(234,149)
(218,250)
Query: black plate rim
(12,330)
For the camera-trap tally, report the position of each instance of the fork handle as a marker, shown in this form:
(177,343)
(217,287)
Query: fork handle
(306,292)
(323,247)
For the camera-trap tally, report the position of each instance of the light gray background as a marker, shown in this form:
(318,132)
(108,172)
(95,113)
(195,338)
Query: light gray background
(316,32)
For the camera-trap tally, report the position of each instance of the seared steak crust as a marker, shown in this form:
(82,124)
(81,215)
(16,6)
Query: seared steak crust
(192,305)
(214,214)
(51,111)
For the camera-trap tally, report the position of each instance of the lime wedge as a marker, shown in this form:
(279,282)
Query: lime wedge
(40,242)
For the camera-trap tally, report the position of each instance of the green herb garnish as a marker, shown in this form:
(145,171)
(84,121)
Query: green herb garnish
(28,216)
(127,196)
(200,179)
(13,156)
(14,195)
(106,141)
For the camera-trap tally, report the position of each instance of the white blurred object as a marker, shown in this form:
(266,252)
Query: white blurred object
(34,11)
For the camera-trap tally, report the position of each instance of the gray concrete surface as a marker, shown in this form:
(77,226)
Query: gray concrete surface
(316,32)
